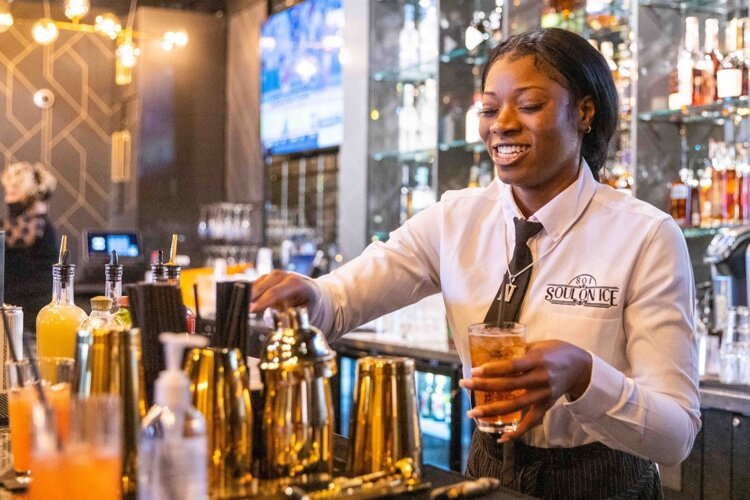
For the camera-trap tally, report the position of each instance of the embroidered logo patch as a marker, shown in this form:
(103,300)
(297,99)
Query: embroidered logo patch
(582,291)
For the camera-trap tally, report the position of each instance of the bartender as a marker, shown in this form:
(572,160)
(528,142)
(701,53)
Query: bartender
(605,290)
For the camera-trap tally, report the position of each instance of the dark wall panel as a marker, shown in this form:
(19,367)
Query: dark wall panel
(182,101)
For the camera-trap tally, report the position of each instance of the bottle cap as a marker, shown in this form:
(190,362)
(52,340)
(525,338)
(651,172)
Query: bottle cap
(172,388)
(101,303)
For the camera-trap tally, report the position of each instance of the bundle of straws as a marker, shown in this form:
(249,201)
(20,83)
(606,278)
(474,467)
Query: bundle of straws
(232,309)
(155,308)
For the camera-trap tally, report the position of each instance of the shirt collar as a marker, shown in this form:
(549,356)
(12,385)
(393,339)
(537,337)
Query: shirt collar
(562,211)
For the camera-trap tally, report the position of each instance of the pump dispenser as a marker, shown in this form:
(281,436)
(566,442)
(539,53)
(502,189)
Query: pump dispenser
(173,448)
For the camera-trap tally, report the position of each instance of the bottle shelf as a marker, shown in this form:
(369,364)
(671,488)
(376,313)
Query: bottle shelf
(700,232)
(472,147)
(415,74)
(717,111)
(693,6)
(462,55)
(419,155)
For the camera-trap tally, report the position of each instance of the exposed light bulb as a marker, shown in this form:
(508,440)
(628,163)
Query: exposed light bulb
(306,69)
(44,31)
(127,53)
(172,39)
(76,9)
(108,25)
(6,21)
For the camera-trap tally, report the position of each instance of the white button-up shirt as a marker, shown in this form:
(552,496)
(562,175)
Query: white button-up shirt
(613,277)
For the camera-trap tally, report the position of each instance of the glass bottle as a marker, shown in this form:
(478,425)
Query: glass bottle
(743,185)
(428,32)
(408,41)
(170,273)
(122,315)
(408,121)
(678,196)
(101,317)
(58,321)
(710,62)
(472,120)
(405,208)
(732,77)
(688,75)
(423,196)
(729,190)
(113,280)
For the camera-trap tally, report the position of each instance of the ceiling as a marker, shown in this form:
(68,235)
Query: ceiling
(121,7)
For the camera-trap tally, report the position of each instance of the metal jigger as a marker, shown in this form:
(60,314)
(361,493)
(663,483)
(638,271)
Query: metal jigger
(13,338)
(296,367)
(220,389)
(384,424)
(109,362)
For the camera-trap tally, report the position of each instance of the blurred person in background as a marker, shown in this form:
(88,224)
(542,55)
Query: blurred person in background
(30,238)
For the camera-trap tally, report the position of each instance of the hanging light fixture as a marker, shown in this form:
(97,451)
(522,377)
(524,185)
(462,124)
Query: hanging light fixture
(6,18)
(108,25)
(75,10)
(44,31)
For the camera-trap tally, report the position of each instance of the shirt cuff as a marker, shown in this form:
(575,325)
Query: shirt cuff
(322,313)
(602,394)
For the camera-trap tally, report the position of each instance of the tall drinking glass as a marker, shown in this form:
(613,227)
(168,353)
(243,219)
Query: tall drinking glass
(492,342)
(85,466)
(56,374)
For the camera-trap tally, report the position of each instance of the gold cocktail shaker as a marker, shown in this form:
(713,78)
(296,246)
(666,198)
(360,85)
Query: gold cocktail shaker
(220,389)
(384,424)
(109,362)
(296,366)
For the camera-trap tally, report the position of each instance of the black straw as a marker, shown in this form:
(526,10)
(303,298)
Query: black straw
(12,346)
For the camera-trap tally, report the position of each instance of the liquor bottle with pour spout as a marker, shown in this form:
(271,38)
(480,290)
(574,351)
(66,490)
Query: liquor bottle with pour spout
(169,272)
(58,321)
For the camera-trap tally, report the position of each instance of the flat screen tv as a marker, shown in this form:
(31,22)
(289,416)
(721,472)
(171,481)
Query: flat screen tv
(301,95)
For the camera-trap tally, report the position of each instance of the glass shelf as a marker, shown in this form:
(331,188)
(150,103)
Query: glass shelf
(704,6)
(416,74)
(420,155)
(472,147)
(717,111)
(700,232)
(462,55)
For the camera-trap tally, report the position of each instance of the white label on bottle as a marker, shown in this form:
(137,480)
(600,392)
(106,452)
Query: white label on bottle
(679,192)
(729,82)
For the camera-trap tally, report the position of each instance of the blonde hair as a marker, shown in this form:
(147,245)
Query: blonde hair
(34,180)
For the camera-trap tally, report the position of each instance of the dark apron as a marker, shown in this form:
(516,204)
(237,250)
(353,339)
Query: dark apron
(589,472)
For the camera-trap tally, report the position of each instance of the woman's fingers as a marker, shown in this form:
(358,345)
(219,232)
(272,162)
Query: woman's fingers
(519,402)
(281,289)
(505,367)
(532,418)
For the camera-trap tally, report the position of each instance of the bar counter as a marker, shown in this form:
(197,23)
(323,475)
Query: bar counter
(714,394)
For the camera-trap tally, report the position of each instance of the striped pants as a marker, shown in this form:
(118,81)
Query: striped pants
(589,472)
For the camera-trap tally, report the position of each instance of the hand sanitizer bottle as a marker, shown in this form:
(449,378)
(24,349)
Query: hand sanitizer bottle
(172,453)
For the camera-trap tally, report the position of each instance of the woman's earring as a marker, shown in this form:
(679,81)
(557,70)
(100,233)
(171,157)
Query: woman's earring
(588,130)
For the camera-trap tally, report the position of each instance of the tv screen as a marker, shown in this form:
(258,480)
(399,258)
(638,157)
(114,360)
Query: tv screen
(301,95)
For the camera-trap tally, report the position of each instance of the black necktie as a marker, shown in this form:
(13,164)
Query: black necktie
(512,292)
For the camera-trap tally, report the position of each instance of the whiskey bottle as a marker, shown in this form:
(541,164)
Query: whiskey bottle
(731,77)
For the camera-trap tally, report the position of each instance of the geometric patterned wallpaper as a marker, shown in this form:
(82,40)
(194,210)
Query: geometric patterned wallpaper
(72,138)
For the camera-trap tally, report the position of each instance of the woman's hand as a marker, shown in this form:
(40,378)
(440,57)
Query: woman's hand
(281,289)
(548,370)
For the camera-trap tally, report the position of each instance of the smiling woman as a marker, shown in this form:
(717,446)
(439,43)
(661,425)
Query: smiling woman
(608,381)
